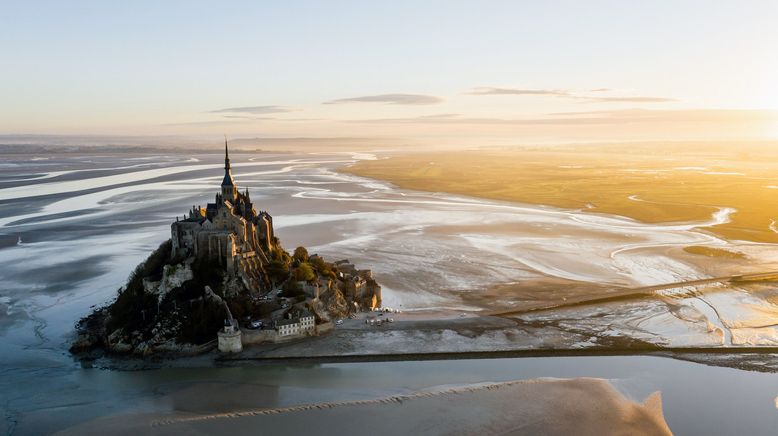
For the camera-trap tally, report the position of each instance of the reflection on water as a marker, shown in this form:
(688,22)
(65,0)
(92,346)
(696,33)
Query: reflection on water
(697,399)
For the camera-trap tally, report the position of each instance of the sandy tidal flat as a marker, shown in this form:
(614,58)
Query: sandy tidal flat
(656,183)
(84,222)
(581,406)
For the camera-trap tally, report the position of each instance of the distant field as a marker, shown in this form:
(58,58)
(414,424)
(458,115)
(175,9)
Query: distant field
(650,183)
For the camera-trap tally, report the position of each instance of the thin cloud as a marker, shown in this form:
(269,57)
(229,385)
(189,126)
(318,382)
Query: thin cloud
(433,119)
(204,123)
(562,93)
(449,119)
(401,99)
(613,117)
(248,117)
(242,119)
(255,110)
(637,99)
(677,115)
(512,91)
(292,120)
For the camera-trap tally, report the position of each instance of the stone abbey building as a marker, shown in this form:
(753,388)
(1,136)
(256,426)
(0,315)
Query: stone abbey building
(229,231)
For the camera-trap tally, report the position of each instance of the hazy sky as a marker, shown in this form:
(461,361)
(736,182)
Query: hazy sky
(490,71)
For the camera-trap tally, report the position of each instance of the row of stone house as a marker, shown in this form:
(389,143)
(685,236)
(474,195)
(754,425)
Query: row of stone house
(301,324)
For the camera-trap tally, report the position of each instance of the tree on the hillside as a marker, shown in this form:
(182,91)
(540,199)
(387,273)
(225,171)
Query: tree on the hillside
(304,273)
(300,255)
(318,264)
(278,270)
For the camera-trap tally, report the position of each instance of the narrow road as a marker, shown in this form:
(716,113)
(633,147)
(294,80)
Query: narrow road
(640,292)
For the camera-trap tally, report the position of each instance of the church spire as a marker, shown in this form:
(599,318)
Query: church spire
(229,191)
(226,155)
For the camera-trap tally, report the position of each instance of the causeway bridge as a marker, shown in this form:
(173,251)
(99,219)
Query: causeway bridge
(640,292)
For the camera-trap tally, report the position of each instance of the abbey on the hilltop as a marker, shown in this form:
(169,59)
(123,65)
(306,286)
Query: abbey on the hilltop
(229,231)
(225,259)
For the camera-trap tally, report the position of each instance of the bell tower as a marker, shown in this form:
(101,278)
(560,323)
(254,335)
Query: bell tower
(229,191)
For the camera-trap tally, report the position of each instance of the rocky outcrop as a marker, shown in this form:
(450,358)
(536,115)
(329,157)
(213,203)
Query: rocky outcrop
(90,332)
(173,276)
(230,248)
(176,306)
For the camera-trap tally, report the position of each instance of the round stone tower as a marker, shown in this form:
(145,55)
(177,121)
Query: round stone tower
(230,338)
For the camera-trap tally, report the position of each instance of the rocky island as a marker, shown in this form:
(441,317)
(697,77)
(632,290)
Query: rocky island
(224,279)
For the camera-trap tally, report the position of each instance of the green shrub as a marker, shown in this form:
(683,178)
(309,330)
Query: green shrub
(300,254)
(304,273)
(278,270)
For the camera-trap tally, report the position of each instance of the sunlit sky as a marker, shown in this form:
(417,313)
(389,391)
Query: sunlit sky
(488,71)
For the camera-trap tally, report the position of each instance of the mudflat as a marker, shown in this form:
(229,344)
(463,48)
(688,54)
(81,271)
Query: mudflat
(652,183)
(585,406)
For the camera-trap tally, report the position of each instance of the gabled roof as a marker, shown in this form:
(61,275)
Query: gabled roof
(287,321)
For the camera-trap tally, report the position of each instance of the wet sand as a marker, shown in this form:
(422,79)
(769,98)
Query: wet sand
(74,239)
(581,406)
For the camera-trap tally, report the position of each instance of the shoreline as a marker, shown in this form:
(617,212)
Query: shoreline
(657,351)
(317,350)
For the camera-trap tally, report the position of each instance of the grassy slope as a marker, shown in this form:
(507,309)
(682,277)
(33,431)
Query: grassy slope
(603,179)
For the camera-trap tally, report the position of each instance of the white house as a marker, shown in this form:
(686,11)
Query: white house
(307,322)
(287,327)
